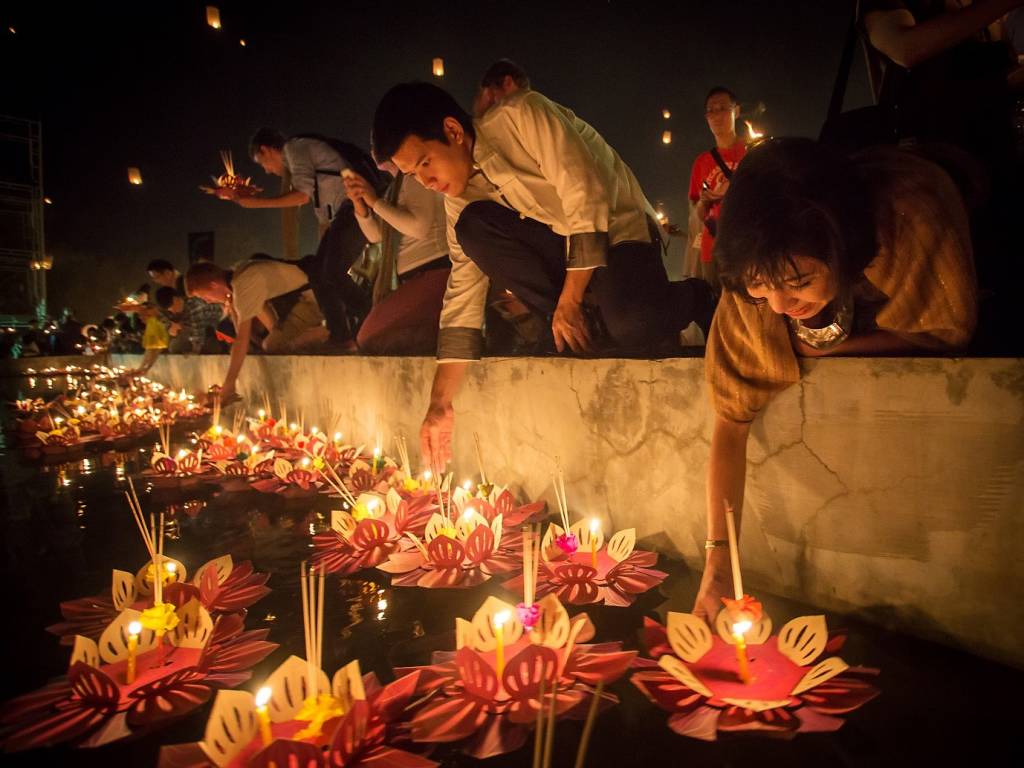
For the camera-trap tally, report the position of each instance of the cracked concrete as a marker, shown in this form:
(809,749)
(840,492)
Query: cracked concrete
(887,487)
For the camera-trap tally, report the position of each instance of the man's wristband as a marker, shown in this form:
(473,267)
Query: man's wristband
(715,543)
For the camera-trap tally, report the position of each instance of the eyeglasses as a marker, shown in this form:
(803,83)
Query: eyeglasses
(716,110)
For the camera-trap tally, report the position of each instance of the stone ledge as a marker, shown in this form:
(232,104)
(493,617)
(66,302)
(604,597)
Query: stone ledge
(892,488)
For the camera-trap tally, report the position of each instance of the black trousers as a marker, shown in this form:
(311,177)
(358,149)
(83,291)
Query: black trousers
(631,300)
(342,302)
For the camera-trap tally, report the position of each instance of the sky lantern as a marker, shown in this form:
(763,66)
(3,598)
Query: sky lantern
(438,67)
(665,113)
(666,137)
(213,16)
(134,176)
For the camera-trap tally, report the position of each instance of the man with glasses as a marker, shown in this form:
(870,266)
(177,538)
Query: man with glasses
(709,180)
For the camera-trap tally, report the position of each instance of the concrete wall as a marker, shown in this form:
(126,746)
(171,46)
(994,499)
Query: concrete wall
(891,488)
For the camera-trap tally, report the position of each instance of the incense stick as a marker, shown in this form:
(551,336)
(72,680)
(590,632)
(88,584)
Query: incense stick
(538,729)
(734,555)
(480,459)
(549,737)
(581,753)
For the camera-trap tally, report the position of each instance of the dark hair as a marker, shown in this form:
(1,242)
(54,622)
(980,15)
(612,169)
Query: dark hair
(414,109)
(203,274)
(265,137)
(165,296)
(720,89)
(496,73)
(159,265)
(793,197)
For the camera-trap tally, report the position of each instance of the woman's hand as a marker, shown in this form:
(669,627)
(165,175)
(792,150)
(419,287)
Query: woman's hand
(715,584)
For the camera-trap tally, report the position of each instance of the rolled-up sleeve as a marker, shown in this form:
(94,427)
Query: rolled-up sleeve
(462,314)
(564,159)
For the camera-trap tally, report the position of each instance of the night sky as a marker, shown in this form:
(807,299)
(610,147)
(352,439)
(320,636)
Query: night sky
(151,85)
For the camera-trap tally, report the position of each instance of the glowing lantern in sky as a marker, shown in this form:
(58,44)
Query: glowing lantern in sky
(666,137)
(438,67)
(134,176)
(666,114)
(213,16)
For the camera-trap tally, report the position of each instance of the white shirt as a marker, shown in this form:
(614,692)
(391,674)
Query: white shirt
(538,158)
(304,157)
(418,217)
(256,282)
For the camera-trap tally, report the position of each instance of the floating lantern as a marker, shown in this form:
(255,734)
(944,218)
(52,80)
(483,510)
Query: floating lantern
(213,16)
(666,114)
(666,137)
(48,201)
(438,67)
(242,43)
(134,176)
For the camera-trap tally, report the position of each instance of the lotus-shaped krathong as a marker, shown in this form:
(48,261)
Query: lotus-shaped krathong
(95,704)
(455,553)
(221,586)
(367,534)
(293,481)
(490,712)
(364,725)
(798,683)
(612,572)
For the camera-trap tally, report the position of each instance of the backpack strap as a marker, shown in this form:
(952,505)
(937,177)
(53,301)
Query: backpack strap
(726,170)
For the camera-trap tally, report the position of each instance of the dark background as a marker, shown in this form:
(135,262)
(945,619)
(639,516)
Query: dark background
(151,85)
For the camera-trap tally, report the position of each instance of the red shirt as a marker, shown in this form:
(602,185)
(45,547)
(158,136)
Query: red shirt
(705,169)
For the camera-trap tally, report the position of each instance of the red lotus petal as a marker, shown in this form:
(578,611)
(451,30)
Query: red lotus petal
(179,593)
(395,697)
(448,719)
(362,480)
(840,695)
(666,692)
(238,594)
(574,584)
(370,533)
(165,466)
(449,578)
(87,616)
(496,737)
(402,562)
(632,580)
(225,628)
(350,736)
(61,726)
(836,641)
(169,697)
(476,673)
(286,753)
(431,677)
(479,544)
(389,757)
(524,671)
(700,723)
(741,719)
(446,552)
(93,686)
(655,639)
(240,654)
(591,668)
(31,705)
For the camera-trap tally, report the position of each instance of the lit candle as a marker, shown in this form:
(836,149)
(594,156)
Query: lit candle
(337,437)
(133,643)
(499,632)
(595,526)
(262,414)
(313,430)
(262,699)
(376,459)
(467,484)
(739,629)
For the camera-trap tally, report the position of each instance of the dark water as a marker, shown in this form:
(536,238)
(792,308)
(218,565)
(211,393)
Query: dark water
(64,527)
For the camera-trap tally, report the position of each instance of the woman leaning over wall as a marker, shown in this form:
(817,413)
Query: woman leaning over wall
(823,255)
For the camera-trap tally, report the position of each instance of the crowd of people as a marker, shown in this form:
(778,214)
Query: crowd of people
(520,228)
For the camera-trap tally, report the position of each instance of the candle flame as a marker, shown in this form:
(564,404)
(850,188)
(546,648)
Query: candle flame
(305,462)
(313,430)
(263,696)
(754,133)
(171,567)
(293,426)
(501,618)
(182,454)
(468,514)
(427,474)
(337,437)
(261,413)
(134,628)
(595,525)
(741,627)
(467,484)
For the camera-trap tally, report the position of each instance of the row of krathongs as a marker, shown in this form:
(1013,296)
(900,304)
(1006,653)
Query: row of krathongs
(162,644)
